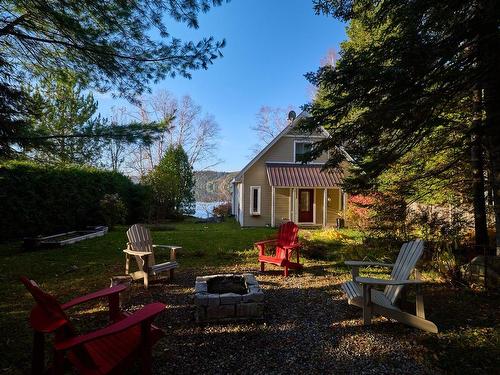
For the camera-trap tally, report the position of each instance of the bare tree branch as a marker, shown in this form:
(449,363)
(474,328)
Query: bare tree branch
(270,122)
(197,133)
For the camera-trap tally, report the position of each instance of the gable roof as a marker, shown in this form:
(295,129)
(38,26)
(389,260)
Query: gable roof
(278,137)
(273,142)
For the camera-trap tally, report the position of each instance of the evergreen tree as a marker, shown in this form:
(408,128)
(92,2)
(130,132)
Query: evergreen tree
(172,184)
(412,81)
(64,110)
(110,45)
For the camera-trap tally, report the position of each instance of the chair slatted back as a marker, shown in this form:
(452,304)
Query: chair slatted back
(407,259)
(287,236)
(47,315)
(139,239)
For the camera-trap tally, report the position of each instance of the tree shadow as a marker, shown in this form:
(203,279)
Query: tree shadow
(309,327)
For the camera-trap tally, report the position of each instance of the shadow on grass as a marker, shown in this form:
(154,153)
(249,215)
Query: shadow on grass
(310,328)
(308,325)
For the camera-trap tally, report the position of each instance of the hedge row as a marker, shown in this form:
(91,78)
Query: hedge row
(38,199)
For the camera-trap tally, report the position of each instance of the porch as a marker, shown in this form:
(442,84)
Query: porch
(306,195)
(307,206)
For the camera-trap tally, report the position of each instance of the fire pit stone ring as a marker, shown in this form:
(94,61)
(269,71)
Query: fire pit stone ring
(228,297)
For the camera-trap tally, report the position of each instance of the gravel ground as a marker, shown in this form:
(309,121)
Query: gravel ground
(308,328)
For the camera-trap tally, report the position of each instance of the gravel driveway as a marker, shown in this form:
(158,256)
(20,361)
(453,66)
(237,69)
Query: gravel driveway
(308,328)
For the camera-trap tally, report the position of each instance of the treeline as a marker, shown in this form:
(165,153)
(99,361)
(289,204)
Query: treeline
(413,100)
(53,141)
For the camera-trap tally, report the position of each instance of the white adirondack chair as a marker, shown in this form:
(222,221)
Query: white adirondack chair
(360,293)
(140,245)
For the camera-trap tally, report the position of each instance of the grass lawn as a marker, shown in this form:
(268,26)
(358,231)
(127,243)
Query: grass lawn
(306,306)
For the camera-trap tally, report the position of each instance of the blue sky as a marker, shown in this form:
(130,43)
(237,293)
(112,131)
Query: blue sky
(271,44)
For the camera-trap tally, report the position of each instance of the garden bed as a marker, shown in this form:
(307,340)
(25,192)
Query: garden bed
(63,239)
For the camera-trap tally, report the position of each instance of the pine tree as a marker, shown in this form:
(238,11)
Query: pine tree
(412,81)
(64,110)
(172,184)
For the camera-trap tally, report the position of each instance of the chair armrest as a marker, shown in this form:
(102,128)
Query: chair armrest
(102,293)
(173,250)
(144,314)
(372,281)
(138,253)
(168,246)
(360,263)
(291,247)
(260,243)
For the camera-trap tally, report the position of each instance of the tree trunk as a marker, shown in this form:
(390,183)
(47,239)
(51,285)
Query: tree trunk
(477,162)
(492,99)
(490,59)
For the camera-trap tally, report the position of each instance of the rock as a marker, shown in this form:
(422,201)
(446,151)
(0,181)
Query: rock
(229,298)
(257,296)
(213,300)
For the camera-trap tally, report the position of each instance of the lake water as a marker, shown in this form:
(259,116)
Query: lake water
(203,210)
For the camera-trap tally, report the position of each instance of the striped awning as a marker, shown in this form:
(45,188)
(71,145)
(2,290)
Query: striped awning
(302,175)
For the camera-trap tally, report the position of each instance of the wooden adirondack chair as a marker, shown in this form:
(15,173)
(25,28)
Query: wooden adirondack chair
(284,245)
(140,246)
(106,350)
(360,293)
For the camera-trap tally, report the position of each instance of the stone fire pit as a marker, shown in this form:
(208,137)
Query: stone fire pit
(228,297)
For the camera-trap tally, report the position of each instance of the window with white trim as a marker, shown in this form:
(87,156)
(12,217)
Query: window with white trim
(255,198)
(300,149)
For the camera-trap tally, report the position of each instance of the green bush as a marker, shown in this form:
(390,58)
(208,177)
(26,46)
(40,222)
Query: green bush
(222,210)
(113,210)
(172,186)
(41,199)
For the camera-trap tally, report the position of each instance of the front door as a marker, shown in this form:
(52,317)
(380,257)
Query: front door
(306,201)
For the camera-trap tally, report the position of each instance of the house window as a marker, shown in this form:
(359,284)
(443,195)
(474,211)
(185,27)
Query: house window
(301,148)
(255,200)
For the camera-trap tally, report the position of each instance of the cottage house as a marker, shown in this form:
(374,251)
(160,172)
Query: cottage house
(275,186)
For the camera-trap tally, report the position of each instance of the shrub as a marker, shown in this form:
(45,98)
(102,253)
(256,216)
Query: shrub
(113,210)
(41,199)
(359,213)
(222,210)
(444,234)
(390,219)
(383,214)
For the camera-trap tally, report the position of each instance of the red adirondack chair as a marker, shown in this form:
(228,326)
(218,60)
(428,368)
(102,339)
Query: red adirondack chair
(106,350)
(284,245)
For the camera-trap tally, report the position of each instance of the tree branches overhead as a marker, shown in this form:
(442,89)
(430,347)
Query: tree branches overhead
(118,44)
(404,77)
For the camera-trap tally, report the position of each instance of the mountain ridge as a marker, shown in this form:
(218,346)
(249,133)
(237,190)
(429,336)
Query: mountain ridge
(213,186)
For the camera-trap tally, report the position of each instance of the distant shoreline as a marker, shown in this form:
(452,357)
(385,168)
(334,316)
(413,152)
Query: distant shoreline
(203,210)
